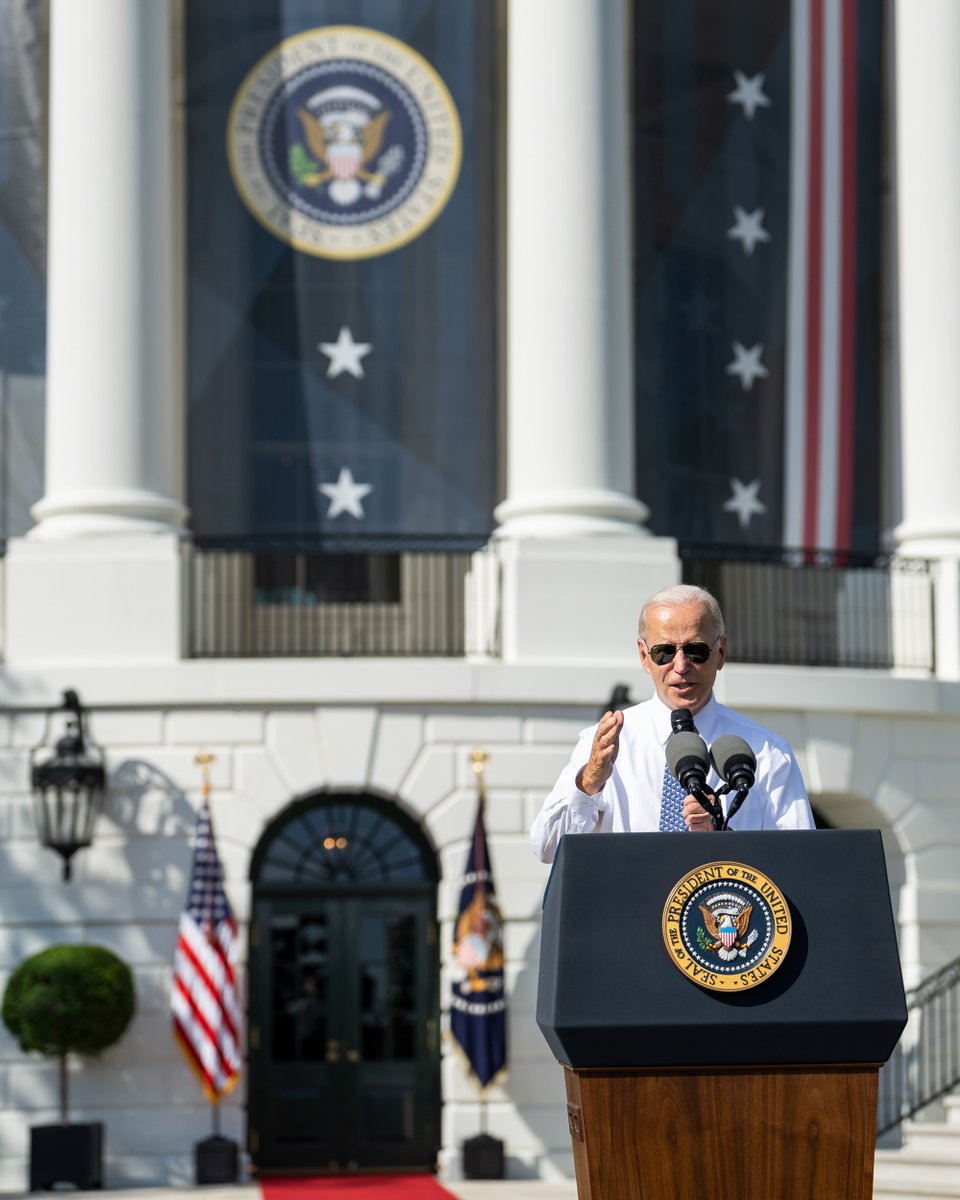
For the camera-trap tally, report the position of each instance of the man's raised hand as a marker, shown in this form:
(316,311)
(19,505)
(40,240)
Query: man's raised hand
(603,753)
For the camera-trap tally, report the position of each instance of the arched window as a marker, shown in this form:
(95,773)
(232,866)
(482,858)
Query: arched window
(343,839)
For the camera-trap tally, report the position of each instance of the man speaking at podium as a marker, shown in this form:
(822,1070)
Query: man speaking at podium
(618,779)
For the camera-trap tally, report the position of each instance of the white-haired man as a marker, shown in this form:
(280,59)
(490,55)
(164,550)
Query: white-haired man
(616,780)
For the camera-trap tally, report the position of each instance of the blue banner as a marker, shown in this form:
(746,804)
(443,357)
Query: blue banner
(342,355)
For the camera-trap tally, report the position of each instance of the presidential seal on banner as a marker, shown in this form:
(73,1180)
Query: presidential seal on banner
(726,926)
(344,142)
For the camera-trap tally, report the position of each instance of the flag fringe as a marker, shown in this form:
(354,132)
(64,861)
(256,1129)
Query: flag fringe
(191,1060)
(458,1052)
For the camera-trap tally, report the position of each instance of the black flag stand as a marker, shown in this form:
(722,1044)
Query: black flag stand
(217,1158)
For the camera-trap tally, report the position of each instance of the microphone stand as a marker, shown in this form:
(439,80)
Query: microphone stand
(712,806)
(735,803)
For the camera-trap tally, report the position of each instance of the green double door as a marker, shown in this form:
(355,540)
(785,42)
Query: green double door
(343,1033)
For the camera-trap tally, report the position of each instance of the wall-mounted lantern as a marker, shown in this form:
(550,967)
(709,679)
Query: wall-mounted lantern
(68,785)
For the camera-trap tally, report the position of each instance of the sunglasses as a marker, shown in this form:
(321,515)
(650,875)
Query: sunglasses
(695,652)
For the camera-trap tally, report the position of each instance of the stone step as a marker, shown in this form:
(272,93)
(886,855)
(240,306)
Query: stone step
(939,1138)
(918,1189)
(917,1172)
(951,1106)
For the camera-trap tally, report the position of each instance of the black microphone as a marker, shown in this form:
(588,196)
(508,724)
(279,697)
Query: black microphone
(681,721)
(735,762)
(689,760)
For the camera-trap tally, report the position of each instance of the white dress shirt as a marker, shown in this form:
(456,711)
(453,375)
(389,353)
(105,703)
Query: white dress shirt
(630,800)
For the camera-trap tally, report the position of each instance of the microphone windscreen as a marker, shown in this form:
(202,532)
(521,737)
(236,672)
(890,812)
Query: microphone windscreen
(687,745)
(730,750)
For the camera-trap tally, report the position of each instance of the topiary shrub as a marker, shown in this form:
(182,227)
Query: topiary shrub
(69,1000)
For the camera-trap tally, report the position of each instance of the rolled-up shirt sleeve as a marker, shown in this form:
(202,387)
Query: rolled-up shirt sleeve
(567,809)
(787,806)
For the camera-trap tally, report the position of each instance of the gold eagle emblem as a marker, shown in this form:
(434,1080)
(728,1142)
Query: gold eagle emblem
(742,922)
(344,152)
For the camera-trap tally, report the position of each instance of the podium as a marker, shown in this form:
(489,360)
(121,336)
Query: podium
(692,1073)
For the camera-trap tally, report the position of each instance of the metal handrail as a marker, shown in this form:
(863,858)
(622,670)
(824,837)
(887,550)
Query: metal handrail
(926,1063)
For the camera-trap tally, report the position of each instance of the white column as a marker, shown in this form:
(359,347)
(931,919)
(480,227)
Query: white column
(112,442)
(569,361)
(927,91)
(572,562)
(100,577)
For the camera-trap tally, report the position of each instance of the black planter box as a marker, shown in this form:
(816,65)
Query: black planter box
(216,1160)
(66,1154)
(483,1157)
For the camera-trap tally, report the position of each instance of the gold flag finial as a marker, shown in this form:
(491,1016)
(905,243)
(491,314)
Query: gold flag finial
(479,760)
(203,761)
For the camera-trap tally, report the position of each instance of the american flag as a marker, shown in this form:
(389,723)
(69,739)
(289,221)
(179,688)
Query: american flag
(759,246)
(822,306)
(206,1015)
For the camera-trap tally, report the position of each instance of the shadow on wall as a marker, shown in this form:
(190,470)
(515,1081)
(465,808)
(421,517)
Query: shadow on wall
(156,821)
(846,811)
(535,1085)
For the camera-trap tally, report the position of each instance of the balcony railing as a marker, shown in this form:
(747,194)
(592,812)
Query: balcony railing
(383,598)
(358,597)
(818,608)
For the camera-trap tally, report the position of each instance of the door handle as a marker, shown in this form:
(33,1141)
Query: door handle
(353,1056)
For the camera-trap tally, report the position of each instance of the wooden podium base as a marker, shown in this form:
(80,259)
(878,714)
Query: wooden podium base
(761,1133)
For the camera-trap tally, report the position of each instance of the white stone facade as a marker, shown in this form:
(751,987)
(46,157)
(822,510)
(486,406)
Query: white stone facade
(876,752)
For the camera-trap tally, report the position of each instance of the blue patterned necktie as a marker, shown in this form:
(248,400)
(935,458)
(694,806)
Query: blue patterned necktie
(671,805)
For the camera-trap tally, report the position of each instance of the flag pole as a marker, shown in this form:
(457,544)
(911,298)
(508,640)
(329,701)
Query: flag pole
(204,980)
(479,760)
(203,761)
(477,1003)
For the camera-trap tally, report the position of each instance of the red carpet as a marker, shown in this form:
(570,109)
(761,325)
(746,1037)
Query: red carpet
(355,1187)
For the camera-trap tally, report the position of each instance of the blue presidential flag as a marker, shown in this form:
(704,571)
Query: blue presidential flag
(478,1019)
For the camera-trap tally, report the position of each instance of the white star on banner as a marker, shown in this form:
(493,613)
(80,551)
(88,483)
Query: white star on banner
(746,365)
(748,229)
(345,354)
(749,94)
(345,495)
(744,501)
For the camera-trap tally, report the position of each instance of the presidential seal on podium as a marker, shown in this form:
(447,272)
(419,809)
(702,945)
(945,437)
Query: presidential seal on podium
(726,926)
